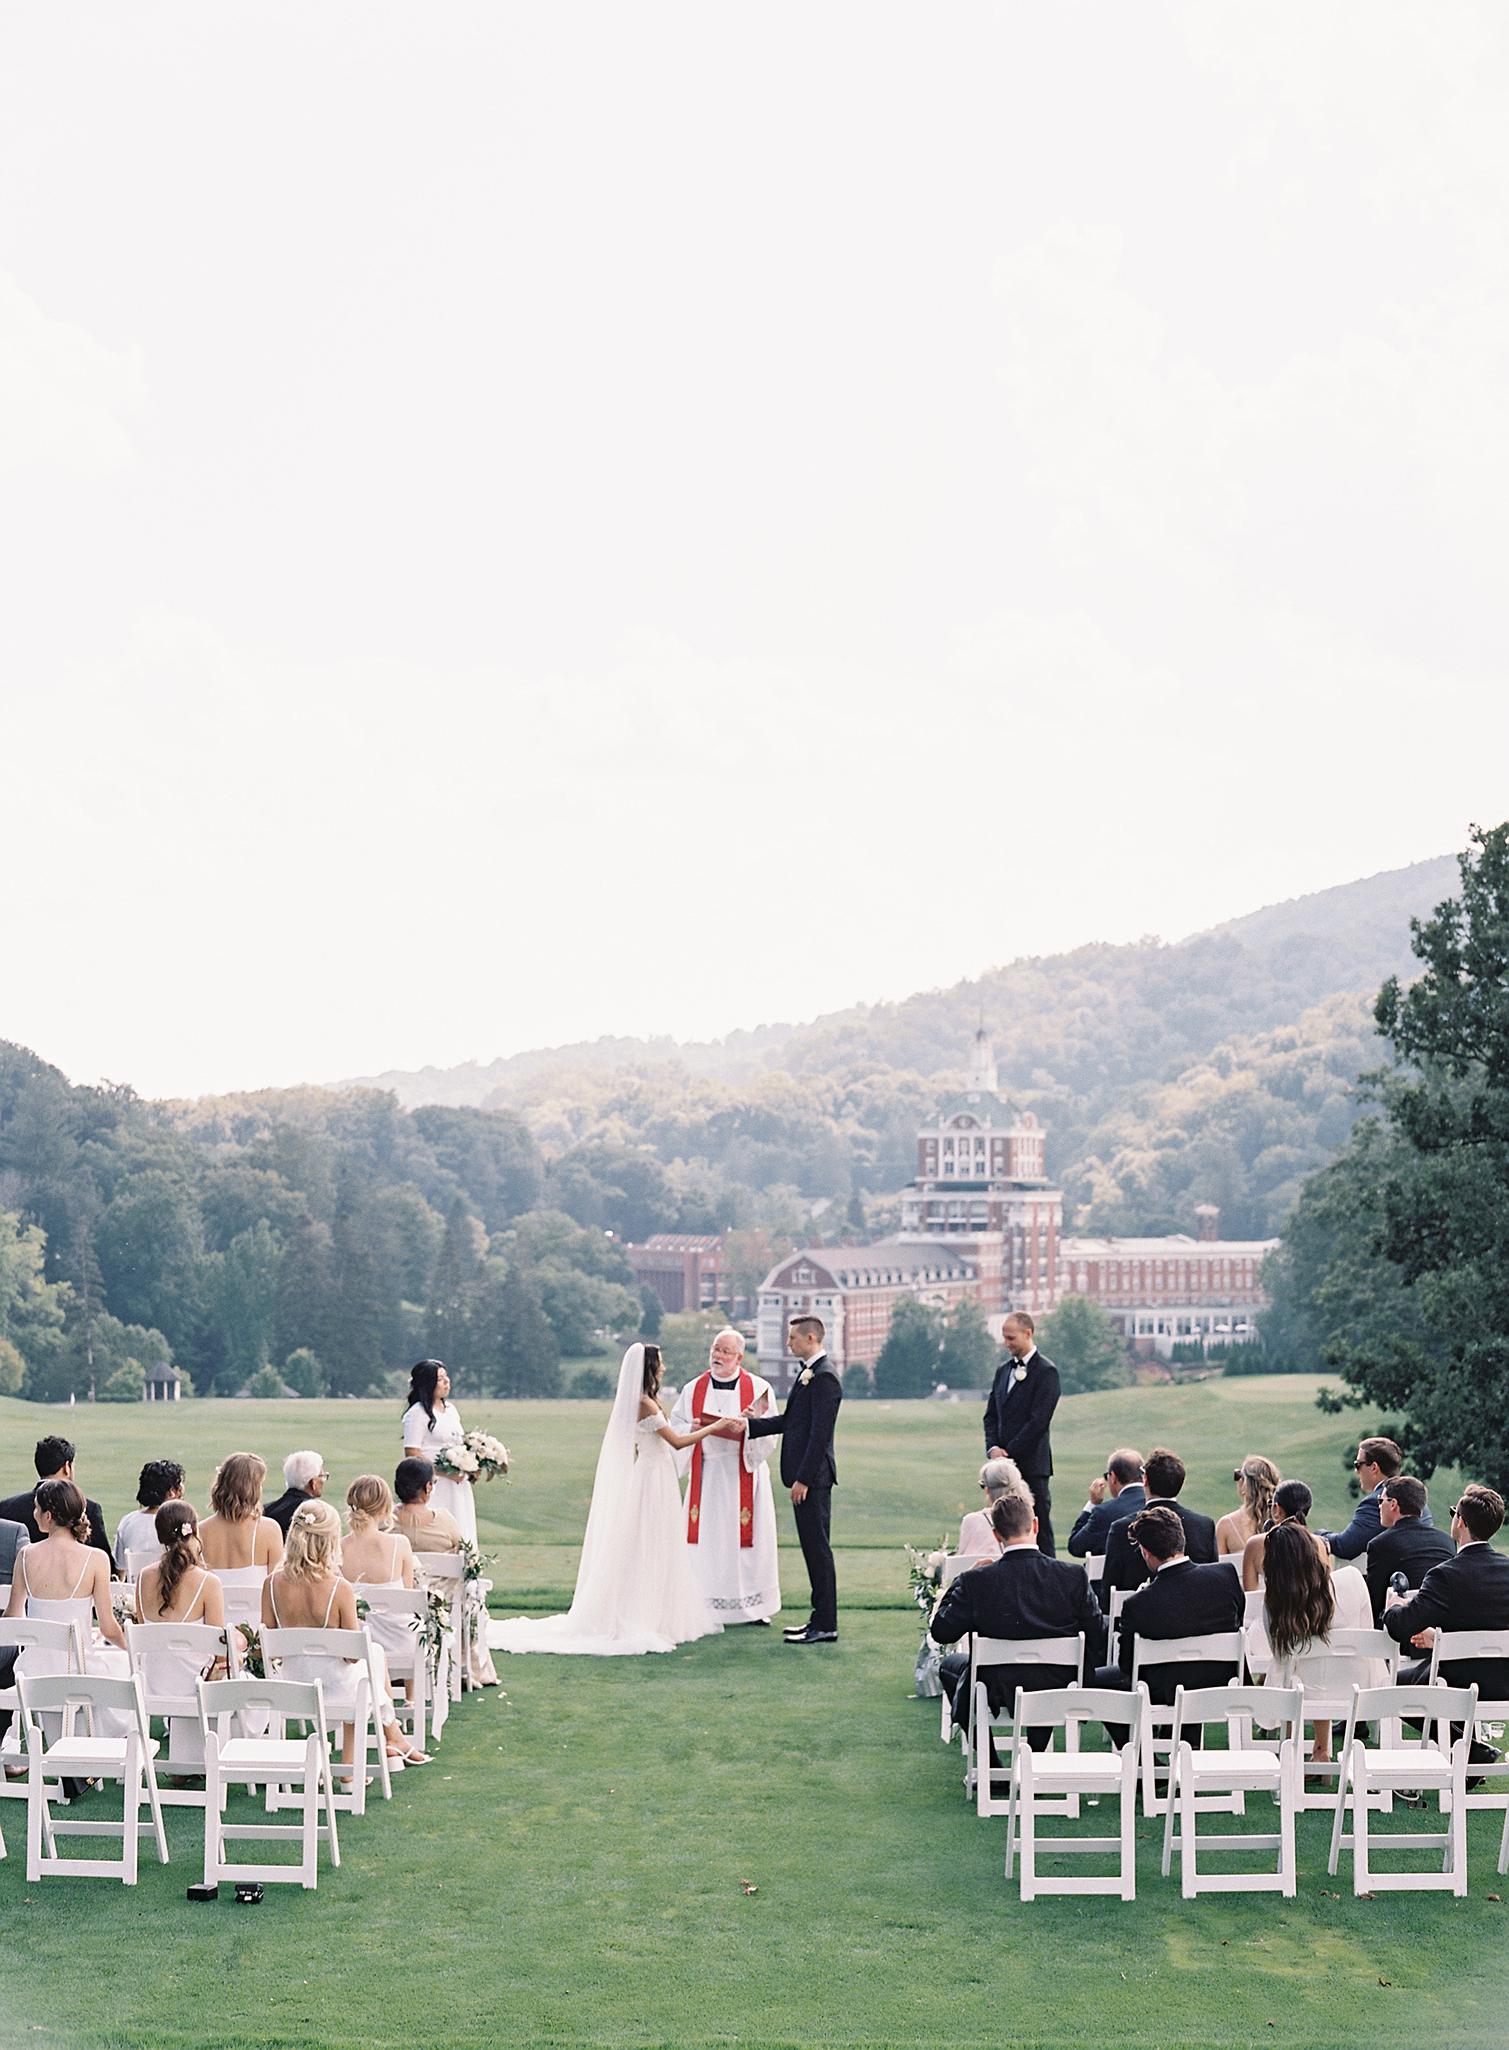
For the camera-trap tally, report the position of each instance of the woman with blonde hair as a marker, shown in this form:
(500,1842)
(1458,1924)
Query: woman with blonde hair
(376,1555)
(1256,1478)
(309,1592)
(236,1535)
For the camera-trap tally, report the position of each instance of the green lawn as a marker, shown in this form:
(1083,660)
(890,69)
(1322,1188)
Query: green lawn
(571,1870)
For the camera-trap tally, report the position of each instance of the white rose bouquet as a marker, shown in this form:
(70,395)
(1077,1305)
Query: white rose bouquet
(457,1462)
(490,1453)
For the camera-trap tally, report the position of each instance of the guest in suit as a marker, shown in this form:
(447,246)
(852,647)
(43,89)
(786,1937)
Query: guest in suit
(1468,1592)
(1181,1599)
(13,1541)
(1019,1414)
(1021,1594)
(977,1534)
(805,1429)
(1124,1565)
(304,1479)
(1114,1498)
(1377,1461)
(1406,1544)
(53,1459)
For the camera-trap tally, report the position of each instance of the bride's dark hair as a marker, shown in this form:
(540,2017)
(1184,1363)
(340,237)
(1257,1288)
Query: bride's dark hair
(654,1370)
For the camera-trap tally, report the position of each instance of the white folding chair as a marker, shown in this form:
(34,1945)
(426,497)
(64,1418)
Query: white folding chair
(445,1573)
(1438,1763)
(140,1557)
(72,1755)
(1094,1565)
(1479,1644)
(961,1562)
(1219,1647)
(405,1652)
(1329,1675)
(163,1655)
(1036,1773)
(242,1589)
(1242,1768)
(339,1651)
(986,1724)
(56,1648)
(272,1760)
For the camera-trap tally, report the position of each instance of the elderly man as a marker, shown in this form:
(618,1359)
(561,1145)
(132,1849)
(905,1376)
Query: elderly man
(730,1510)
(304,1479)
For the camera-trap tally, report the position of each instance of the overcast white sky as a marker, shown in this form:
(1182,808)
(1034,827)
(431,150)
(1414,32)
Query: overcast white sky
(526,522)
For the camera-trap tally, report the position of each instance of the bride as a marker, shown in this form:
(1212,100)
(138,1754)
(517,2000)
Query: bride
(634,1588)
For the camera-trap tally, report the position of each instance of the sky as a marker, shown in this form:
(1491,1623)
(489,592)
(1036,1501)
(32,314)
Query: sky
(524,523)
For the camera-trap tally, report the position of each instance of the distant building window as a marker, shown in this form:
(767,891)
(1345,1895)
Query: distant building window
(804,1274)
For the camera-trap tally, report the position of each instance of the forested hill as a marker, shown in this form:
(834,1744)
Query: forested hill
(316,1237)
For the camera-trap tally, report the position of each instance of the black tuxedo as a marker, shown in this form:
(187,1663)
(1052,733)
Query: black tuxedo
(1410,1548)
(1021,1594)
(1125,1565)
(282,1510)
(1018,1415)
(1469,1592)
(1184,1600)
(19,1509)
(805,1429)
(1095,1522)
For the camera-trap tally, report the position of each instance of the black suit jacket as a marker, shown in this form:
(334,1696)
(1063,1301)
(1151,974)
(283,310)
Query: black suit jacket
(1410,1548)
(805,1427)
(1022,1594)
(1469,1592)
(1125,1565)
(1094,1524)
(282,1510)
(1017,1416)
(1182,1601)
(18,1509)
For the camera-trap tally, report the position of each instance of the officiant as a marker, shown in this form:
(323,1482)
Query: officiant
(1019,1413)
(730,1509)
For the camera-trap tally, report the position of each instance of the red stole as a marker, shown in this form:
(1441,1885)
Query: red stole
(746,1478)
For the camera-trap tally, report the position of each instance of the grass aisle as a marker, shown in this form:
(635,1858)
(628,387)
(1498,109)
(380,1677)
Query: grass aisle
(571,1869)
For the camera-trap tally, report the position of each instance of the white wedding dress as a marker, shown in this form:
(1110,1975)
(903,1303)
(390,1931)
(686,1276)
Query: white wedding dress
(635,1591)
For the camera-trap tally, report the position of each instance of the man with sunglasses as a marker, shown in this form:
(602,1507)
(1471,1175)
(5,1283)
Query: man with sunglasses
(1377,1461)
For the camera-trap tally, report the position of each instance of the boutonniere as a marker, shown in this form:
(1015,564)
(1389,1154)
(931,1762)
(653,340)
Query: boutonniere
(804,1377)
(1018,1376)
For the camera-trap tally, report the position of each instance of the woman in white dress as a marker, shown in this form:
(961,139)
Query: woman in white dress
(376,1555)
(179,1589)
(635,1590)
(66,1579)
(430,1421)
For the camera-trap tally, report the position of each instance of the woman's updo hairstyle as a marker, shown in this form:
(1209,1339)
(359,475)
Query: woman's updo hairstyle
(177,1528)
(370,1502)
(65,1504)
(314,1542)
(1295,1499)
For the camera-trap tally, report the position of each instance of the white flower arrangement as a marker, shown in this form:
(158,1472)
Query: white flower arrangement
(490,1453)
(457,1462)
(123,1600)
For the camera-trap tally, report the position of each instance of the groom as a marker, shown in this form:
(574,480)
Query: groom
(805,1429)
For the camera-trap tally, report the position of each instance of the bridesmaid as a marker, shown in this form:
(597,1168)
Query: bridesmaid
(430,1421)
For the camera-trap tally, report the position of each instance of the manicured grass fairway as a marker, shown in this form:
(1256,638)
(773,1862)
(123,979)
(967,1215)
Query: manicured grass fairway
(569,1870)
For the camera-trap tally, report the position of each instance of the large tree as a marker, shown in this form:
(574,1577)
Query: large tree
(908,1362)
(1084,1345)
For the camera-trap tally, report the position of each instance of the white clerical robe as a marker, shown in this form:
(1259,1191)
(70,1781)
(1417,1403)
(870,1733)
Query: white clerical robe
(741,1583)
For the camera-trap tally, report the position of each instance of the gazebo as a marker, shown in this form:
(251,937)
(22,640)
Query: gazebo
(162,1384)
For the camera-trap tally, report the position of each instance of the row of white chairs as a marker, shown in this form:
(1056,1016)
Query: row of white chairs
(1157,1747)
(201,1738)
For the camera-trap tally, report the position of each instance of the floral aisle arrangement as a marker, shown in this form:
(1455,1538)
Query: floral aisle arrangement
(123,1601)
(925,1580)
(430,1626)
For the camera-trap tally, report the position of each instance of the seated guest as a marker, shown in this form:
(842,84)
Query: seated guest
(1024,1593)
(1256,1478)
(1182,1598)
(1377,1461)
(1406,1544)
(1468,1592)
(1291,1504)
(180,1588)
(1115,1497)
(309,1592)
(1164,1471)
(13,1541)
(427,1528)
(237,1535)
(1303,1602)
(977,1534)
(375,1554)
(304,1479)
(160,1480)
(65,1578)
(53,1459)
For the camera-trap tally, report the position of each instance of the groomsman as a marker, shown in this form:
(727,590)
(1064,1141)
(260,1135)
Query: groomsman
(805,1429)
(1018,1415)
